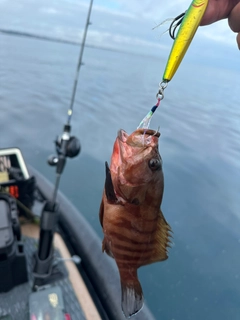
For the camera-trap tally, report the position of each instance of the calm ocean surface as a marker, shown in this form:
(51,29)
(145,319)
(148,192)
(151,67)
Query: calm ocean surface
(200,145)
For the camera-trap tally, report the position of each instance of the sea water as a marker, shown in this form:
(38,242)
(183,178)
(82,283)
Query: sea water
(199,121)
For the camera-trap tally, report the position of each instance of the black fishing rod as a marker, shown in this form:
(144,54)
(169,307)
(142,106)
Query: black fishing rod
(70,110)
(67,146)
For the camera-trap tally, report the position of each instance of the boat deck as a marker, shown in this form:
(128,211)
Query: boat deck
(77,300)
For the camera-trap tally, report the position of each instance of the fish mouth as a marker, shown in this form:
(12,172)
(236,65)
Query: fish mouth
(123,136)
(149,132)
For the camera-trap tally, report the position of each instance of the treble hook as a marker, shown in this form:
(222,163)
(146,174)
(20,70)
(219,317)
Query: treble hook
(172,28)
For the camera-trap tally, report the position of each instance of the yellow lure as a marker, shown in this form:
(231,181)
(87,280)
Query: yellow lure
(186,32)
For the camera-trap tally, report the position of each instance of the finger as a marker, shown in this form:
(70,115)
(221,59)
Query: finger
(217,10)
(238,40)
(234,18)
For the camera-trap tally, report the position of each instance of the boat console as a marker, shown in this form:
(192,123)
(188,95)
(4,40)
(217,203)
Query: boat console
(13,268)
(17,187)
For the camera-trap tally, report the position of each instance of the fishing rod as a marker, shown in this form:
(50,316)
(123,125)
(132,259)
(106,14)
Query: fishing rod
(70,110)
(67,146)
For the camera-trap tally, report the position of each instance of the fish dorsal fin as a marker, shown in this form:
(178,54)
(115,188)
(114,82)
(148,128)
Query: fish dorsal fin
(109,189)
(101,212)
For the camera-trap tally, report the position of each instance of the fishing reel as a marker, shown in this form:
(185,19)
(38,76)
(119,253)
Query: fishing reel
(67,147)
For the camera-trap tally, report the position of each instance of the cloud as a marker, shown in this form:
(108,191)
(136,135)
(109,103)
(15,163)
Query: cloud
(114,12)
(123,24)
(119,41)
(219,32)
(49,10)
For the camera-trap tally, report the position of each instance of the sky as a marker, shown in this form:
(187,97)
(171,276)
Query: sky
(116,24)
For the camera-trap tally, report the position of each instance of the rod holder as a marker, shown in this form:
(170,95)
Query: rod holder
(43,263)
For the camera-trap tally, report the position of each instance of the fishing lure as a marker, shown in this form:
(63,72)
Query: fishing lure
(189,22)
(145,123)
(186,32)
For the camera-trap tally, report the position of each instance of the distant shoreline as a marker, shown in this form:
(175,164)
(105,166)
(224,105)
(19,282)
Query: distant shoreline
(36,36)
(58,40)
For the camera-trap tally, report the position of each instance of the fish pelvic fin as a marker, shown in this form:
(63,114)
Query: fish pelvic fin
(132,297)
(109,189)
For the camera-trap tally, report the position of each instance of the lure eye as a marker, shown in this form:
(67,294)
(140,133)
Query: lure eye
(155,164)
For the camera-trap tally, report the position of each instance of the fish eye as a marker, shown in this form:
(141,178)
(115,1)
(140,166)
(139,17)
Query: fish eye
(155,164)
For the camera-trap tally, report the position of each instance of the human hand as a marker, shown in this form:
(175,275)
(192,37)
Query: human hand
(222,9)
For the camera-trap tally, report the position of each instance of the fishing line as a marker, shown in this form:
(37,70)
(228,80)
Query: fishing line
(163,22)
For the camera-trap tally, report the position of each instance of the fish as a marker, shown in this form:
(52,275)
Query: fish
(135,230)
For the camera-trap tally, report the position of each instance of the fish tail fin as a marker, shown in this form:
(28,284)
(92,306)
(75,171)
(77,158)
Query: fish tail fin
(132,298)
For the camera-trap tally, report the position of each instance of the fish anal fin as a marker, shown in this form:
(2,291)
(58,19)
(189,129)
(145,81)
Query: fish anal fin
(132,298)
(106,247)
(109,189)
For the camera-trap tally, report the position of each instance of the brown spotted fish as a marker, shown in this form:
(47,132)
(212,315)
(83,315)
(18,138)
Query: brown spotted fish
(135,230)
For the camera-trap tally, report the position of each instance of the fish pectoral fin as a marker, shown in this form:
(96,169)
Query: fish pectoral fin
(163,233)
(132,298)
(109,189)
